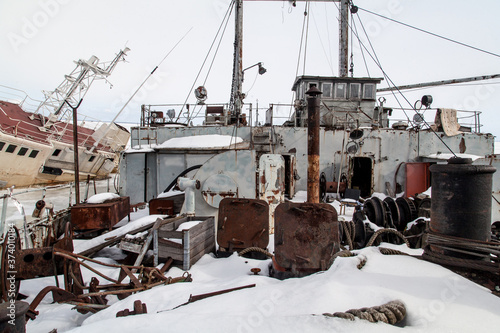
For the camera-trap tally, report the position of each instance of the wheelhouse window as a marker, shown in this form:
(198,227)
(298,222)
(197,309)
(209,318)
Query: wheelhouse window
(22,151)
(355,91)
(369,91)
(1,145)
(11,148)
(91,159)
(326,88)
(33,153)
(56,152)
(340,90)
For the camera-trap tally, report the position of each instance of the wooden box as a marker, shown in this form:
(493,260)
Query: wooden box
(185,247)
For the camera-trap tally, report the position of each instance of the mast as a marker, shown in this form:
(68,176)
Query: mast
(344,38)
(236,94)
(236,100)
(74,87)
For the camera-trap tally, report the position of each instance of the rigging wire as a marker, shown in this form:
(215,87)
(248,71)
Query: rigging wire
(379,65)
(301,41)
(210,67)
(226,16)
(361,48)
(215,53)
(97,141)
(432,34)
(306,13)
(300,53)
(322,45)
(328,36)
(377,62)
(254,80)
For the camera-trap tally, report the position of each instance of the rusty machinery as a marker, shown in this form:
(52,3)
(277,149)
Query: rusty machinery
(242,224)
(307,234)
(59,259)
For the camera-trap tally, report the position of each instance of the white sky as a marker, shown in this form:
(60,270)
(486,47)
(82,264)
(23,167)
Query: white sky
(41,39)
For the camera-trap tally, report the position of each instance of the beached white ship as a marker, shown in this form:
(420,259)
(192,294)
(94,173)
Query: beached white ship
(38,147)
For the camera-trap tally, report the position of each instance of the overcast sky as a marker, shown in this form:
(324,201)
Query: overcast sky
(41,39)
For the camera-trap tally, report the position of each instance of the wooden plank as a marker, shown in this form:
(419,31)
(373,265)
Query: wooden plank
(168,243)
(196,239)
(147,243)
(170,234)
(131,247)
(202,246)
(195,253)
(205,226)
(208,249)
(108,241)
(176,254)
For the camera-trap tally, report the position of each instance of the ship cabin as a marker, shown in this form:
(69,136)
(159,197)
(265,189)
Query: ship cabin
(346,102)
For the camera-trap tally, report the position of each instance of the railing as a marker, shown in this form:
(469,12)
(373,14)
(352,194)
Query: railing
(28,104)
(466,119)
(278,114)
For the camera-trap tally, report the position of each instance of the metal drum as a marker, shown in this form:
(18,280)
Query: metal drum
(461,199)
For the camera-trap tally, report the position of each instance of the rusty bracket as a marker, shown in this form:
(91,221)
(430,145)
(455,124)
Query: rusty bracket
(58,295)
(194,298)
(139,308)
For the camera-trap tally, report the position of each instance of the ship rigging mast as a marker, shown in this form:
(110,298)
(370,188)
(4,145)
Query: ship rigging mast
(73,89)
(237,95)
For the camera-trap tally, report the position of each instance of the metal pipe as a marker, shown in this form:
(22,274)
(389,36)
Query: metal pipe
(189,186)
(441,82)
(75,149)
(313,105)
(5,199)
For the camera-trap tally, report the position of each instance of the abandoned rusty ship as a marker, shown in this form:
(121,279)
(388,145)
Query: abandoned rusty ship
(303,198)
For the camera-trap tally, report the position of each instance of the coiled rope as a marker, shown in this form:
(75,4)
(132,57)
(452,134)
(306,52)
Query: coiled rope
(387,230)
(389,313)
(255,249)
(349,230)
(362,259)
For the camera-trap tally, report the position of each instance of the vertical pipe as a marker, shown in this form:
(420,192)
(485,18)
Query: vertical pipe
(3,218)
(313,105)
(75,155)
(146,173)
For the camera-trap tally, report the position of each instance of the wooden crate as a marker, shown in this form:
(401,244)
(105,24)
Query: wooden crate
(185,247)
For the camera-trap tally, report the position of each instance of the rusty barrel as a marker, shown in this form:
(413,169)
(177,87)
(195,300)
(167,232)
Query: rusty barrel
(461,199)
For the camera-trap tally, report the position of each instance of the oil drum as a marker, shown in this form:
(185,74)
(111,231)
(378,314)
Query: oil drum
(461,199)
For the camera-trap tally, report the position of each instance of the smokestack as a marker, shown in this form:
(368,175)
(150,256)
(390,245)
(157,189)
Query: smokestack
(313,104)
